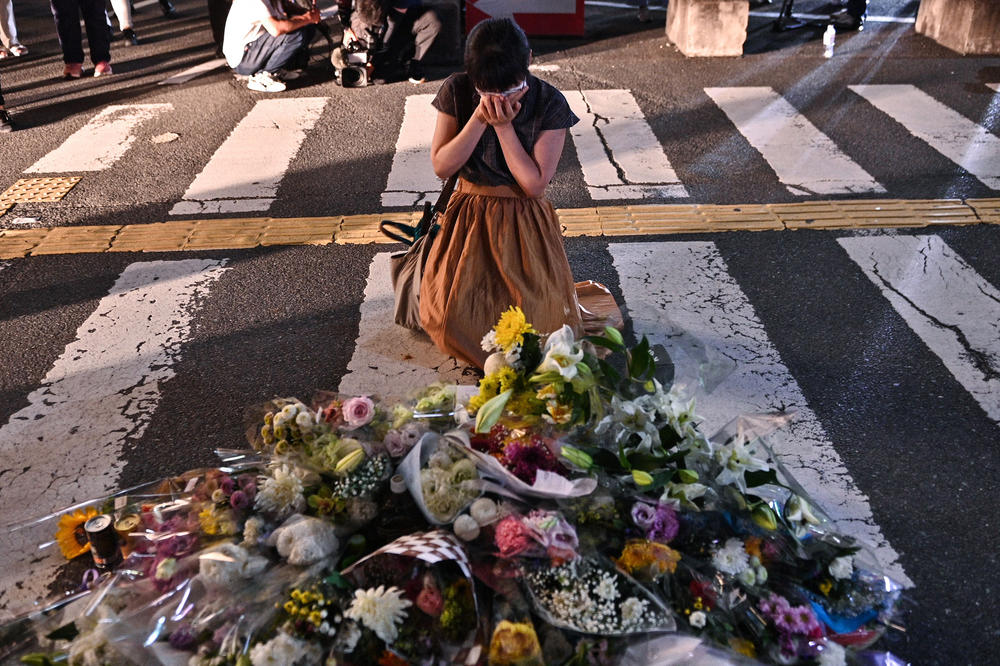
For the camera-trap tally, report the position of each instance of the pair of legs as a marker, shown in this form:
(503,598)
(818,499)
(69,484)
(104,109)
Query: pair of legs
(270,53)
(218,11)
(407,38)
(67,16)
(8,30)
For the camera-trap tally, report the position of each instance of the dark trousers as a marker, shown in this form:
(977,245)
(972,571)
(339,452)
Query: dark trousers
(407,36)
(95,17)
(1,95)
(268,53)
(218,11)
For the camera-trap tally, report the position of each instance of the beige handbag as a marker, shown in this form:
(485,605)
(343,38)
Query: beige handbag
(407,268)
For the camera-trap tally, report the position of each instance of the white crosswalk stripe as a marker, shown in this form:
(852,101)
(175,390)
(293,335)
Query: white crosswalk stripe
(244,173)
(967,144)
(101,142)
(67,444)
(193,72)
(945,301)
(697,299)
(411,179)
(620,156)
(806,161)
(390,360)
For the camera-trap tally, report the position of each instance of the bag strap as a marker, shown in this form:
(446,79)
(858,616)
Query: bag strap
(397,231)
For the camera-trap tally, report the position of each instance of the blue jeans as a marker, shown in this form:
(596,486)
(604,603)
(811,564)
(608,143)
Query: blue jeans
(268,53)
(95,17)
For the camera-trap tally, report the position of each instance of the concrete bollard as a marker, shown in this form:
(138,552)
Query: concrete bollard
(708,27)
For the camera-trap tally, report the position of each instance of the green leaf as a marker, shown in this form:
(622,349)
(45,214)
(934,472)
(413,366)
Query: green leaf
(639,359)
(338,581)
(623,459)
(546,377)
(37,659)
(762,477)
(609,373)
(646,461)
(598,341)
(489,414)
(606,460)
(687,476)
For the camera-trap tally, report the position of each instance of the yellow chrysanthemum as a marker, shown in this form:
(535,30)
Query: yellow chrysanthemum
(743,646)
(475,402)
(507,376)
(514,643)
(525,404)
(70,536)
(511,328)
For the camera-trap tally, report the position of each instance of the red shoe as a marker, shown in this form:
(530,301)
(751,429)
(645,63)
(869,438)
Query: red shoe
(73,70)
(102,68)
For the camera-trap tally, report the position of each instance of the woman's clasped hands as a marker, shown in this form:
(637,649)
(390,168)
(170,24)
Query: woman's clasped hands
(498,108)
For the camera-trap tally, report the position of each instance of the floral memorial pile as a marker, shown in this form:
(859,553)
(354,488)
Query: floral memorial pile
(569,511)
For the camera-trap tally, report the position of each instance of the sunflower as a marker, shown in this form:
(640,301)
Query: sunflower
(511,328)
(70,536)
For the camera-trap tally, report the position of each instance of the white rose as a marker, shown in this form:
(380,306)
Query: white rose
(698,619)
(842,567)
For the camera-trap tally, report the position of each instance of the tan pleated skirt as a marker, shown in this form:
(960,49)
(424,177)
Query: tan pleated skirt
(497,248)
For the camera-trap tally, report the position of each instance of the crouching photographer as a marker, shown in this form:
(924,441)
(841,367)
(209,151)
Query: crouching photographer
(386,41)
(262,38)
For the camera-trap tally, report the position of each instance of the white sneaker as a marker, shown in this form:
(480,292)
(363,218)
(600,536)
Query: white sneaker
(265,82)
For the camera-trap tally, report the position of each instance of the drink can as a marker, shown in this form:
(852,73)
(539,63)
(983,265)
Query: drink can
(103,541)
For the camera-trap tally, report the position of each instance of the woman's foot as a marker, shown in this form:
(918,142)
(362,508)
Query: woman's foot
(18,50)
(73,70)
(102,68)
(168,9)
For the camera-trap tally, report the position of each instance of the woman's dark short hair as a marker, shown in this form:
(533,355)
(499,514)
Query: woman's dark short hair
(497,54)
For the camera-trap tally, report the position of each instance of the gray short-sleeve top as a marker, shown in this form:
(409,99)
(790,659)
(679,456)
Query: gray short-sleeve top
(543,107)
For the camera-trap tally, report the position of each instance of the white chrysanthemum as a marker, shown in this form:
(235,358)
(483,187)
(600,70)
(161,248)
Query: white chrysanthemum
(731,558)
(380,609)
(284,650)
(697,619)
(281,493)
(832,654)
(489,343)
(842,567)
(304,420)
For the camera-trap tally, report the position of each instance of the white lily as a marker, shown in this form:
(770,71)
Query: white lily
(561,354)
(737,459)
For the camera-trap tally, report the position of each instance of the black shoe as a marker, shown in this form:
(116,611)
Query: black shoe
(415,72)
(168,9)
(6,122)
(844,21)
(129,37)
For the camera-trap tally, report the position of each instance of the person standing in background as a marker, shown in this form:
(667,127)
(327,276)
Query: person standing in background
(218,12)
(123,12)
(8,32)
(67,17)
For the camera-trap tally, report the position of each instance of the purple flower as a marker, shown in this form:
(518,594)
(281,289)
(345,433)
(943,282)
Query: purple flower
(643,515)
(665,526)
(239,500)
(247,480)
(220,634)
(228,485)
(395,444)
(773,605)
(787,620)
(789,646)
(183,638)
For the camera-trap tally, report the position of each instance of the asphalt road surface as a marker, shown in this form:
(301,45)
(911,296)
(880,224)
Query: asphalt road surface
(117,368)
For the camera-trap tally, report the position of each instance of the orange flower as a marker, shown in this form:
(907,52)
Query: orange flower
(391,659)
(752,547)
(648,557)
(70,536)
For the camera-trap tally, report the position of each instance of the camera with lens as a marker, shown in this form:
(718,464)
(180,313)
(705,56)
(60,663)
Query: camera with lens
(353,64)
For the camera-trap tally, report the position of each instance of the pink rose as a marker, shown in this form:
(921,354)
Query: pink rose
(358,411)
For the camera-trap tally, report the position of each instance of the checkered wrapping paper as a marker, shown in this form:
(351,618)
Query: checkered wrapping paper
(434,547)
(431,547)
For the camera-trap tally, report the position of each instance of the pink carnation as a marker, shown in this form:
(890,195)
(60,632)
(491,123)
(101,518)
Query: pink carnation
(512,537)
(358,411)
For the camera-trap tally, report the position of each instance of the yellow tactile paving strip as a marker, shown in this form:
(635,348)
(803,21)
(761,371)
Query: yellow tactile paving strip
(38,190)
(640,220)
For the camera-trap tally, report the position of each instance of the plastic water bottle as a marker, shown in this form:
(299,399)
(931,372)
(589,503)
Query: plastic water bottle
(829,39)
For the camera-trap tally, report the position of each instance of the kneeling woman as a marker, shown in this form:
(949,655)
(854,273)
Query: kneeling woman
(502,130)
